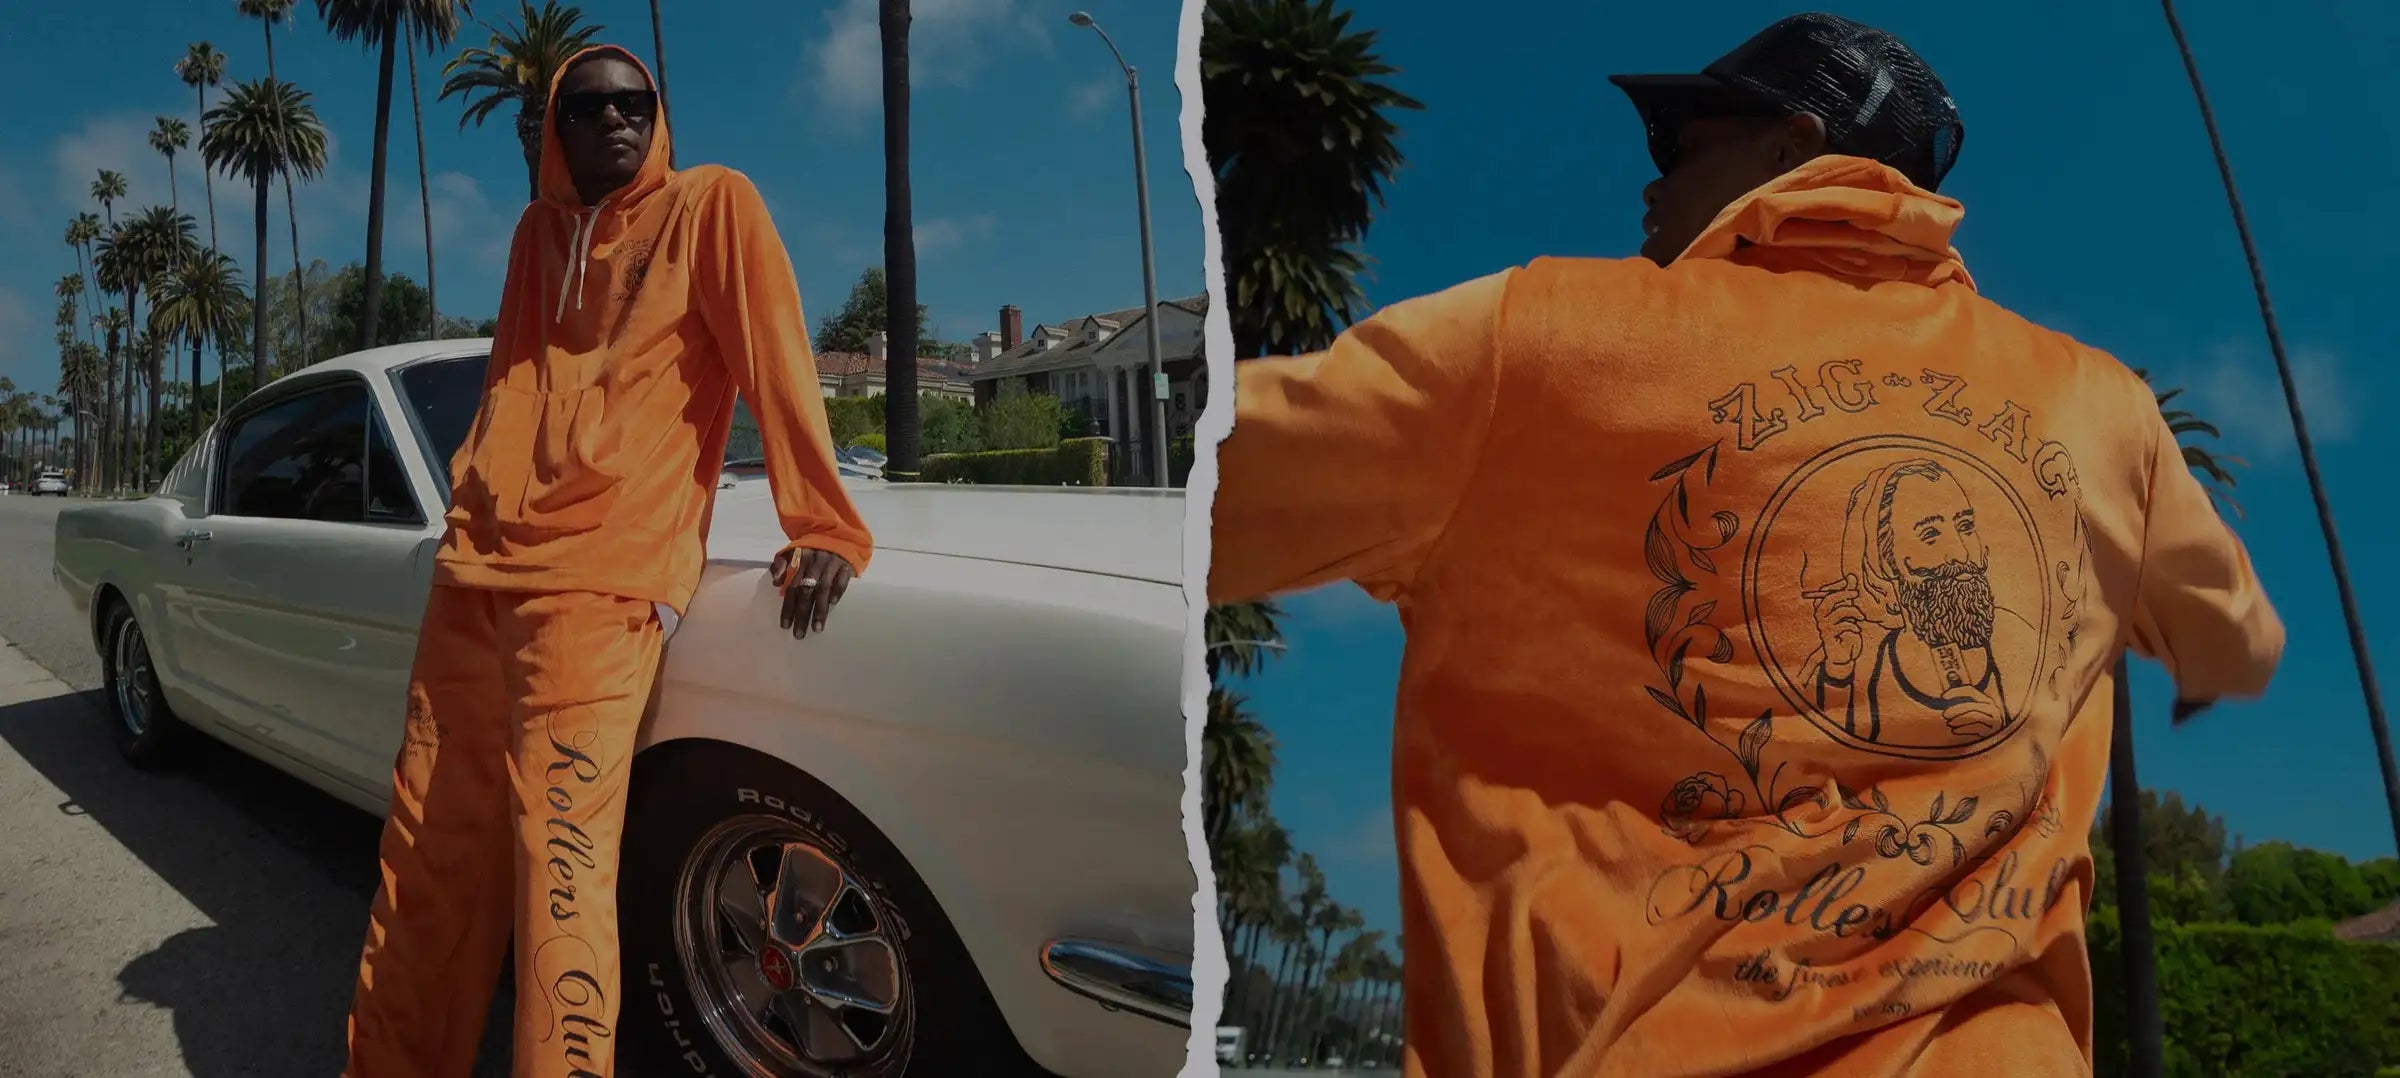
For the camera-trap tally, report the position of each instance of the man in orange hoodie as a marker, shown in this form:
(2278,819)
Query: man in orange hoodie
(639,301)
(1761,597)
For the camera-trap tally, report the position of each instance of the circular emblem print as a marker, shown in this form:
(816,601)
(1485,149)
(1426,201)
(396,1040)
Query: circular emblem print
(1895,593)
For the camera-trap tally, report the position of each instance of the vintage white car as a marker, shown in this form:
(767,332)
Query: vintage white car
(963,798)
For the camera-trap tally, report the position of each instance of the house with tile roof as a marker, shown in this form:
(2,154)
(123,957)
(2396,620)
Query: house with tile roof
(1097,365)
(861,374)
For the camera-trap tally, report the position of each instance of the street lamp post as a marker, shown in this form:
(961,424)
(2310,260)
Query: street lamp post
(1155,446)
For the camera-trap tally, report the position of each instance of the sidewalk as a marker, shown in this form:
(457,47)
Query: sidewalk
(77,909)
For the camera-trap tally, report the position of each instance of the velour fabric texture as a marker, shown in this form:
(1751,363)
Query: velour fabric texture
(508,804)
(626,330)
(1760,615)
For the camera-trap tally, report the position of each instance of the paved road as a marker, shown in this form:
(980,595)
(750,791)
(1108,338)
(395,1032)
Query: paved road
(201,922)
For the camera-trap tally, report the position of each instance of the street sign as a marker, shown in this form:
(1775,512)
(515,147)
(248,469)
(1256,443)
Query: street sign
(1158,381)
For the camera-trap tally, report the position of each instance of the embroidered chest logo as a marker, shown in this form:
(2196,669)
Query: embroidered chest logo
(635,254)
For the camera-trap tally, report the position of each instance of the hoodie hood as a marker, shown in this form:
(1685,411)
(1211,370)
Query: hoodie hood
(557,186)
(1843,216)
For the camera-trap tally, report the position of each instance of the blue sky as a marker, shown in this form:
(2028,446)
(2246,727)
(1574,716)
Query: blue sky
(1023,167)
(2092,205)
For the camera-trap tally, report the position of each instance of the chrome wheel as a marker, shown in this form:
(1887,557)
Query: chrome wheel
(793,961)
(134,684)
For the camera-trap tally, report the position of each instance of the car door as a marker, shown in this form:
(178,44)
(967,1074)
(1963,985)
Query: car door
(318,558)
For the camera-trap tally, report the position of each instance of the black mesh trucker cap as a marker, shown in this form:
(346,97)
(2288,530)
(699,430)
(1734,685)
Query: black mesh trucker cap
(1877,97)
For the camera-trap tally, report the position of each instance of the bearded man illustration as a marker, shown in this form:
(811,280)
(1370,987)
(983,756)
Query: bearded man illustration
(1913,648)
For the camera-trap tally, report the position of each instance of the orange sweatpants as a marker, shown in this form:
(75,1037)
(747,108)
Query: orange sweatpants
(508,803)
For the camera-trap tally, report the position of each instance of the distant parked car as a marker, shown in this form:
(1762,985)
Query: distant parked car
(50,482)
(976,774)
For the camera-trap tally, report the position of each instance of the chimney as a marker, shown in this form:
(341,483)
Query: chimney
(1012,327)
(878,346)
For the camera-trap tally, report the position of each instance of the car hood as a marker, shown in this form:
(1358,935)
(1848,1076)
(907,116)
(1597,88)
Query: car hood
(1116,531)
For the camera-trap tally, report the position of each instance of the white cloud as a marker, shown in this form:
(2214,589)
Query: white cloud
(949,42)
(2237,389)
(1089,99)
(16,327)
(940,233)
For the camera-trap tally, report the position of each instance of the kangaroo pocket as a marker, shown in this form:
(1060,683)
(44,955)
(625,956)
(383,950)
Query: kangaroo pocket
(545,461)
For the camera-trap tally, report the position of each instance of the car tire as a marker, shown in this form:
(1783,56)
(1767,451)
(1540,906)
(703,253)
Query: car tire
(147,732)
(702,810)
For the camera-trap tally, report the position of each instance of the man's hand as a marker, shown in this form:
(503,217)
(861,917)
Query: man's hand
(1971,712)
(812,583)
(1840,626)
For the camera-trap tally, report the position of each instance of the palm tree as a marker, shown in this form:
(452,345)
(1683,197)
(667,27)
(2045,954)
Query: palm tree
(1237,762)
(168,137)
(2376,724)
(1307,903)
(1331,919)
(1249,874)
(1298,137)
(112,326)
(201,300)
(516,65)
(658,58)
(416,113)
(1353,967)
(900,419)
(106,190)
(78,371)
(203,66)
(153,244)
(119,264)
(82,233)
(262,129)
(380,24)
(268,13)
(69,291)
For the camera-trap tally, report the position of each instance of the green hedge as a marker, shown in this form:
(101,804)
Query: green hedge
(2242,1000)
(1076,462)
(872,440)
(1181,455)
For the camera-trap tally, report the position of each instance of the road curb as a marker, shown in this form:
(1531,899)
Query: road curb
(23,680)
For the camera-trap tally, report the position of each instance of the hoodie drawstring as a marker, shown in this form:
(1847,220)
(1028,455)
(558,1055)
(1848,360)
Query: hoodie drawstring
(586,224)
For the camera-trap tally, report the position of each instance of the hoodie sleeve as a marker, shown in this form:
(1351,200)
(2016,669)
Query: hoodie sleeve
(751,305)
(2200,609)
(1347,464)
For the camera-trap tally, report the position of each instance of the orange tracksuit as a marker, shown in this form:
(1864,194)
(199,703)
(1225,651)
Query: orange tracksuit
(1760,612)
(580,500)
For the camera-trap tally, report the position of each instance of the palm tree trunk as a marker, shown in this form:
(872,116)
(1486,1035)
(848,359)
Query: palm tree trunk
(416,109)
(375,181)
(192,400)
(2376,724)
(153,375)
(2137,945)
(127,436)
(900,423)
(208,180)
(1275,999)
(529,139)
(258,306)
(658,57)
(299,281)
(174,195)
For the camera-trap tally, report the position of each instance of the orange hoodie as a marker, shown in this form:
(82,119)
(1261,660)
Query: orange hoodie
(626,329)
(1760,612)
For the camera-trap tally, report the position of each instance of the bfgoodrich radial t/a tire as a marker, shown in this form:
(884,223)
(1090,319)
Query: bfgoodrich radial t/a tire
(769,929)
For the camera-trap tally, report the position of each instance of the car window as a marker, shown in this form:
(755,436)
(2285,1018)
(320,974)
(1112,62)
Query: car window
(441,397)
(188,482)
(389,500)
(300,459)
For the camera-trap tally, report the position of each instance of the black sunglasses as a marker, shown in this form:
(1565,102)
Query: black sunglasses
(635,106)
